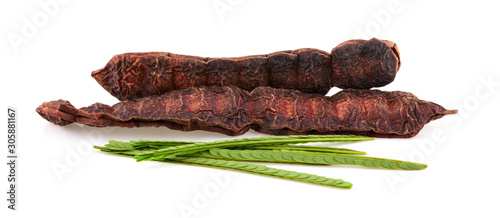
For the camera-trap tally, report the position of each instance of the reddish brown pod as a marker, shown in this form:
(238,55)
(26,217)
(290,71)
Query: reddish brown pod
(233,111)
(358,64)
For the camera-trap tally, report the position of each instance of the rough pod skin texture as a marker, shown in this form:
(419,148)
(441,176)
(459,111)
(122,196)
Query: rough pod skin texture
(357,64)
(233,111)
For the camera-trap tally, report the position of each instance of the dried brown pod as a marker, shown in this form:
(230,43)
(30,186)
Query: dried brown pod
(233,111)
(357,64)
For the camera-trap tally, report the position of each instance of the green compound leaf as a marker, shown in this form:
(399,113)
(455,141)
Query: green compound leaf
(118,146)
(309,148)
(274,149)
(125,152)
(267,141)
(261,170)
(306,158)
(242,167)
(157,144)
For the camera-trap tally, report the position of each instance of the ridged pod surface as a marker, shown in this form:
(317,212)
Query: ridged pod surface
(233,111)
(358,64)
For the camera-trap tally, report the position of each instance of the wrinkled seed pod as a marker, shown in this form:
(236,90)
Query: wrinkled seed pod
(357,64)
(233,111)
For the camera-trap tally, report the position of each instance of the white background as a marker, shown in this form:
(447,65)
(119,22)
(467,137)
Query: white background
(449,53)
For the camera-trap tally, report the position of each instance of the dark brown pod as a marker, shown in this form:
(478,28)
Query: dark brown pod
(233,111)
(356,64)
(359,64)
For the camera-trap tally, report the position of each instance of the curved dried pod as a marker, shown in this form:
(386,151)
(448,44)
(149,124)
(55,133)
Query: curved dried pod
(357,64)
(233,111)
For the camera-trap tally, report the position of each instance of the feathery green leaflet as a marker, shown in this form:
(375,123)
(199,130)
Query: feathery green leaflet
(229,154)
(271,140)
